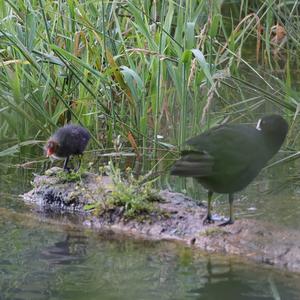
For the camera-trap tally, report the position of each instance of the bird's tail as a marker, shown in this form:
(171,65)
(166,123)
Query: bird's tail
(193,164)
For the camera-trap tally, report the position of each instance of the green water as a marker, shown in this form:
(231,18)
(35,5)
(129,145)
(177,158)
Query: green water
(39,261)
(43,257)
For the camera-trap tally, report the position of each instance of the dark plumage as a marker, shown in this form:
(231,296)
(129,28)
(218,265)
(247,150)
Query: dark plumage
(227,158)
(66,141)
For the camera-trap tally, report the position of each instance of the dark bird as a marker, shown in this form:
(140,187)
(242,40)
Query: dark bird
(66,141)
(227,158)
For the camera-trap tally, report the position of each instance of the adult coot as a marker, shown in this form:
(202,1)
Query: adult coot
(227,158)
(66,141)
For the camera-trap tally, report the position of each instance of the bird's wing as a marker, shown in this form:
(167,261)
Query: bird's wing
(193,164)
(216,136)
(233,147)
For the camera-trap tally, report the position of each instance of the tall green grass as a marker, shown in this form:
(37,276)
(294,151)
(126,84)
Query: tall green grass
(143,69)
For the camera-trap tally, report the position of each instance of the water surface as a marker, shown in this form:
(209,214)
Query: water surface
(44,257)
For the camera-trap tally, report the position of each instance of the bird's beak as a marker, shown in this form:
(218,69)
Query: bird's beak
(258,125)
(49,152)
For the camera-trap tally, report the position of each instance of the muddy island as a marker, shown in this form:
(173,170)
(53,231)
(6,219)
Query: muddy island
(170,216)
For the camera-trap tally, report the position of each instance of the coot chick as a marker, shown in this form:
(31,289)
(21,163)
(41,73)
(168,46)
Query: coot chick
(227,158)
(66,141)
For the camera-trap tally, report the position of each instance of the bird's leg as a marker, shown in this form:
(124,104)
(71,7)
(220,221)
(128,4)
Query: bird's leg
(231,220)
(79,162)
(208,219)
(65,167)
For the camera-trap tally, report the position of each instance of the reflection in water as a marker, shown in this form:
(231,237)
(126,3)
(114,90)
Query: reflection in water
(47,264)
(226,283)
(69,251)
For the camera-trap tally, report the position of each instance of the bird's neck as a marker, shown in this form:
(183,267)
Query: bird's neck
(274,142)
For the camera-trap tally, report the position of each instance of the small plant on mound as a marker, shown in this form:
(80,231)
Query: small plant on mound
(135,197)
(63,176)
(70,176)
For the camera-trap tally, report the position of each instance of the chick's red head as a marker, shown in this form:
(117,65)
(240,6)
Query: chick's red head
(51,147)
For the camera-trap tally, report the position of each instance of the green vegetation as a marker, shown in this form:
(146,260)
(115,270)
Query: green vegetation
(70,176)
(144,69)
(135,197)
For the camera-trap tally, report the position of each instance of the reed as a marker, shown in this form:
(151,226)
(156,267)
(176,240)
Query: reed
(144,70)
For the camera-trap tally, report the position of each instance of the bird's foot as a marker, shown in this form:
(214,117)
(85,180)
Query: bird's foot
(229,222)
(67,170)
(76,169)
(208,220)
